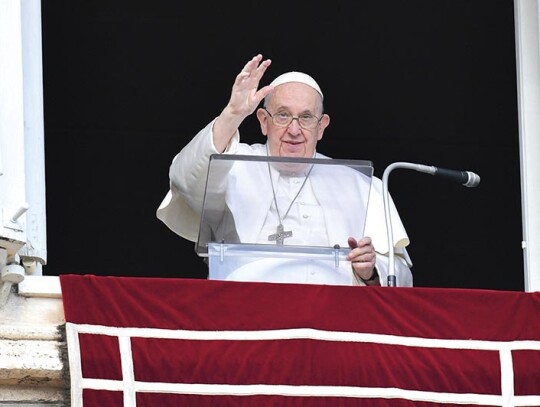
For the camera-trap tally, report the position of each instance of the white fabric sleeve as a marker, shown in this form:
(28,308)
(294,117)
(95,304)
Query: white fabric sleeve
(181,207)
(402,271)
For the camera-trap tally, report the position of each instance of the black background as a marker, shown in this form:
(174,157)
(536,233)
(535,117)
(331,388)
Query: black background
(127,84)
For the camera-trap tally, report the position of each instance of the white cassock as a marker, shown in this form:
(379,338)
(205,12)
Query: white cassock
(329,208)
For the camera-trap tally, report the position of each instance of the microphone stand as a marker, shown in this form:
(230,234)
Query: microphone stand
(391,261)
(468,179)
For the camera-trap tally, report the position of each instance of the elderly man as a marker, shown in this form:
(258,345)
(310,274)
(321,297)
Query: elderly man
(293,121)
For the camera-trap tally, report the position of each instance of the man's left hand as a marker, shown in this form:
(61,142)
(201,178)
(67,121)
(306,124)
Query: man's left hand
(362,257)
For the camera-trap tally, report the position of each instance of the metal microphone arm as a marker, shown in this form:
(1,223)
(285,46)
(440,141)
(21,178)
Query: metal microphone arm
(473,180)
(391,268)
(386,200)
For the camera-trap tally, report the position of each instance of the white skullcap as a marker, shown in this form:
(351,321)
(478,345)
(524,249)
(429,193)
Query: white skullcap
(297,77)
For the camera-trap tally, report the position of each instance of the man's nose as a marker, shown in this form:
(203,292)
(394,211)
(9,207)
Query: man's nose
(294,127)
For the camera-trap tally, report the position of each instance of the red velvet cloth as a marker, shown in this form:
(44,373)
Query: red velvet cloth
(218,306)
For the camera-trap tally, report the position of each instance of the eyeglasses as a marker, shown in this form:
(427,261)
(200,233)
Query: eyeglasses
(284,119)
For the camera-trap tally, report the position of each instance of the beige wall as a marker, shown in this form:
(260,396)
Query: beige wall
(32,349)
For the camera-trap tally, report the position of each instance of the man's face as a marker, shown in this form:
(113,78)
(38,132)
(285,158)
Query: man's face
(296,99)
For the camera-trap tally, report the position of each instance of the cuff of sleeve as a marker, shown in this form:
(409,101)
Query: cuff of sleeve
(360,281)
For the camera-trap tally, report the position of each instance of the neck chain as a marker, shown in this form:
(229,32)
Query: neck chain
(281,234)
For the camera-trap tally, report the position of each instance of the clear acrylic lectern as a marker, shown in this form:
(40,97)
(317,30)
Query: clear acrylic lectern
(320,203)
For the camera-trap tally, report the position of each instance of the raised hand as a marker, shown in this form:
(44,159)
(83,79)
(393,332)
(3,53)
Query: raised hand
(246,95)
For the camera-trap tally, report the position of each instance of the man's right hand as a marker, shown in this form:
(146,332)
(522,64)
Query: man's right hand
(245,97)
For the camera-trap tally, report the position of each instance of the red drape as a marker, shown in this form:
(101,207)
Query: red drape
(160,342)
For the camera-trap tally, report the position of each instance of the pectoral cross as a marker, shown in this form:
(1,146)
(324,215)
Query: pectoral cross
(280,235)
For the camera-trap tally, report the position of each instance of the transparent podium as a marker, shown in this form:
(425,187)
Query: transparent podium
(282,219)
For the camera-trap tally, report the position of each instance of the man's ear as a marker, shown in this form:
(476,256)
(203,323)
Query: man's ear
(325,122)
(263,120)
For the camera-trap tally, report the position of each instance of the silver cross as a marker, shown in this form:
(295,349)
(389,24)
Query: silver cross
(280,235)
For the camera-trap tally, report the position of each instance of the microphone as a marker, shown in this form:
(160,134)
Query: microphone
(466,178)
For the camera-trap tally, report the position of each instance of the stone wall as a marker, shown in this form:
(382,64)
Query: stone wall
(33,352)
